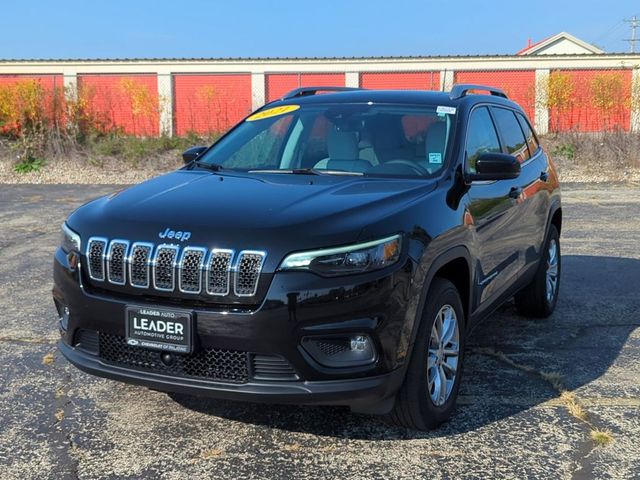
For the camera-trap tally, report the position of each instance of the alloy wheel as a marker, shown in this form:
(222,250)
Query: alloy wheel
(444,351)
(552,270)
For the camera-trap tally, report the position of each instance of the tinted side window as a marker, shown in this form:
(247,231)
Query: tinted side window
(481,137)
(511,133)
(528,133)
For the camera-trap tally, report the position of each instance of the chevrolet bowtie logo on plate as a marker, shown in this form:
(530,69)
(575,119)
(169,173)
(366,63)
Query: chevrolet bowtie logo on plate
(176,235)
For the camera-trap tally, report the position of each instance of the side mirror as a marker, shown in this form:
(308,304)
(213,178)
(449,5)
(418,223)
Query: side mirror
(191,154)
(495,166)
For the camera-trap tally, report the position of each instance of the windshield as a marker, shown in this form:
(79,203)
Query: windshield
(359,139)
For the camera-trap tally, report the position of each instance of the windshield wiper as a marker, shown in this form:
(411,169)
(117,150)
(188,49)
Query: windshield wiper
(214,167)
(307,171)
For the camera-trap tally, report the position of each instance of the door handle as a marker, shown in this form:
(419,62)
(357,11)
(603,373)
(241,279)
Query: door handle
(515,192)
(544,176)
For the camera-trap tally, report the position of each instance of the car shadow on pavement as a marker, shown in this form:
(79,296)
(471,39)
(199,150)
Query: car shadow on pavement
(597,310)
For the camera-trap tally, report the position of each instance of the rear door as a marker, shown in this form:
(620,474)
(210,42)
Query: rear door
(494,212)
(539,192)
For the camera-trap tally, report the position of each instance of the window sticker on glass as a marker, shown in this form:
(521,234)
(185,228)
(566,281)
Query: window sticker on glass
(445,109)
(435,158)
(272,112)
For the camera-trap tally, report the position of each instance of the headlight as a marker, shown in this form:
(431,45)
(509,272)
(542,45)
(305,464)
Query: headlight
(70,239)
(358,258)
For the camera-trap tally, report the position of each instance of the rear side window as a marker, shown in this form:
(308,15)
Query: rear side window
(481,137)
(528,133)
(511,132)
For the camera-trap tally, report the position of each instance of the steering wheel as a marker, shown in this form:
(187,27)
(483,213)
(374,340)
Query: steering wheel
(408,163)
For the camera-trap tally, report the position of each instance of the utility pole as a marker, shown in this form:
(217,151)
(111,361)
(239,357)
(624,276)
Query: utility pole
(634,39)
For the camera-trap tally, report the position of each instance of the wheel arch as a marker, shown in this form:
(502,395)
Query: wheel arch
(554,216)
(458,272)
(454,265)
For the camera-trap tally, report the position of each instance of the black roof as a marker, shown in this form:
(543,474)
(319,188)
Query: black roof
(376,96)
(408,97)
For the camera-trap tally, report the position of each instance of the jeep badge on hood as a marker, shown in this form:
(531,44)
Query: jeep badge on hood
(177,235)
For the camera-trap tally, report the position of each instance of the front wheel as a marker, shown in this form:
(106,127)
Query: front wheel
(428,394)
(539,298)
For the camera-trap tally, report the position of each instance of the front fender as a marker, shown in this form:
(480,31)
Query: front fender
(434,256)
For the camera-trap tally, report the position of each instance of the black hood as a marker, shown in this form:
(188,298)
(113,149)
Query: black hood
(276,213)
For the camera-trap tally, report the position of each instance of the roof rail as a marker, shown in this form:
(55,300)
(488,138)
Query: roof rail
(304,91)
(461,89)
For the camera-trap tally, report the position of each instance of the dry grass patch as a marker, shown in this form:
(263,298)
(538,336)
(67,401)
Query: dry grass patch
(59,415)
(211,453)
(571,401)
(601,437)
(293,447)
(573,405)
(48,359)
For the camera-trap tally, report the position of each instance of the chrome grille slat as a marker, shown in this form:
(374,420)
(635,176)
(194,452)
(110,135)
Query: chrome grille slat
(164,263)
(218,272)
(248,269)
(190,269)
(116,261)
(139,264)
(96,250)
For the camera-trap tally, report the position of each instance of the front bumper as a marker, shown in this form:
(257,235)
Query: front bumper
(367,394)
(296,305)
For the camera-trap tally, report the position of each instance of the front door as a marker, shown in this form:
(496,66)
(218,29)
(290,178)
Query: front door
(529,202)
(494,213)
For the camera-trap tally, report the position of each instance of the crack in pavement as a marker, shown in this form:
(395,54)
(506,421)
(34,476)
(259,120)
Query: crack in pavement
(530,401)
(573,405)
(67,464)
(18,241)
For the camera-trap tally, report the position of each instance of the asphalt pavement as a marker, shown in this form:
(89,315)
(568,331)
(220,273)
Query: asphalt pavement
(533,395)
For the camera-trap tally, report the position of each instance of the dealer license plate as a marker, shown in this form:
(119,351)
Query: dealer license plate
(160,329)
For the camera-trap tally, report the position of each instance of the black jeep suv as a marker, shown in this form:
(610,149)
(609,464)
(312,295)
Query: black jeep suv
(331,248)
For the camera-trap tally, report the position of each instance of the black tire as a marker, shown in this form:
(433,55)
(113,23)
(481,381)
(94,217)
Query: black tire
(413,407)
(532,300)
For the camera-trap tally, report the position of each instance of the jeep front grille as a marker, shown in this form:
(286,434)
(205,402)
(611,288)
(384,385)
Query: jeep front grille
(218,274)
(95,255)
(164,264)
(190,265)
(139,263)
(170,268)
(248,273)
(116,257)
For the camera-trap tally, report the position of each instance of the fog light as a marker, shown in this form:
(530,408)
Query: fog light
(359,343)
(72,260)
(341,350)
(63,317)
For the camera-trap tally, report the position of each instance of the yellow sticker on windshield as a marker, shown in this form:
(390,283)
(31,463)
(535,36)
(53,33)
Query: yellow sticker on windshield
(273,112)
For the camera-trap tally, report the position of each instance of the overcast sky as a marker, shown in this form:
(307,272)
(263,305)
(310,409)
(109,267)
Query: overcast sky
(286,28)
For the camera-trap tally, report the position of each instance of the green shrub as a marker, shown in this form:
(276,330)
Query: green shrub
(566,150)
(30,165)
(135,149)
